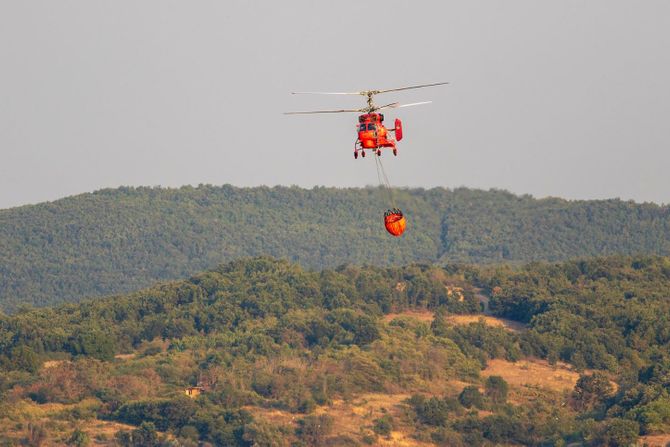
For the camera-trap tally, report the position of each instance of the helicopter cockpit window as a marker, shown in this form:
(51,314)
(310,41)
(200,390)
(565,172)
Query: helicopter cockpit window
(371,127)
(362,128)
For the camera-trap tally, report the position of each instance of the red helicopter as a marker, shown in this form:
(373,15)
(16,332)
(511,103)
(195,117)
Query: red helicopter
(372,134)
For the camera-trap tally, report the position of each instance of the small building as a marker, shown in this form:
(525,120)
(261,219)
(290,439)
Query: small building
(194,391)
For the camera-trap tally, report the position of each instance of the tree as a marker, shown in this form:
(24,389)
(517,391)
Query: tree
(145,435)
(471,397)
(94,343)
(591,391)
(496,389)
(619,433)
(439,324)
(433,411)
(22,357)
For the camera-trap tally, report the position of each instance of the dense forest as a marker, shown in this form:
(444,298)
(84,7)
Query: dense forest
(115,241)
(279,353)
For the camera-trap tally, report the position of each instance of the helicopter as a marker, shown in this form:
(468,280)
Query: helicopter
(373,135)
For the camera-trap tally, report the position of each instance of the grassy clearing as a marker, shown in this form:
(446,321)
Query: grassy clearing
(655,440)
(353,418)
(423,315)
(58,422)
(489,320)
(427,316)
(534,372)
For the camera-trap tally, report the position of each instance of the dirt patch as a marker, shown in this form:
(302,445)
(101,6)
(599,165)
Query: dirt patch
(533,372)
(124,356)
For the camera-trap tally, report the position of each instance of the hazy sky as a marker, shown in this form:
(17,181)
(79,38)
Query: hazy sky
(565,98)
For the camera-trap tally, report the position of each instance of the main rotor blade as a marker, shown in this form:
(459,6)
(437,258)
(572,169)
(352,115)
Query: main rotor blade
(410,87)
(395,105)
(323,111)
(325,93)
(414,104)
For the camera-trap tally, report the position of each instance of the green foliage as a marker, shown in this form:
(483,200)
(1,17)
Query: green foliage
(163,414)
(143,436)
(92,343)
(592,391)
(220,301)
(24,358)
(496,389)
(115,241)
(439,325)
(471,397)
(484,342)
(654,417)
(617,433)
(431,411)
(502,427)
(263,333)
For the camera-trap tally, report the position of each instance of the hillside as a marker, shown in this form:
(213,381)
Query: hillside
(348,357)
(115,241)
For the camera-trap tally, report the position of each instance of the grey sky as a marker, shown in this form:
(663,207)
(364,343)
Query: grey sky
(564,98)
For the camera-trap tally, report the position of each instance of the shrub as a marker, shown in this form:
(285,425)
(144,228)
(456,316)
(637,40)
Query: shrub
(314,429)
(78,438)
(383,425)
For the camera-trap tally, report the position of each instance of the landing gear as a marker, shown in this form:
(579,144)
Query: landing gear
(355,154)
(379,152)
(395,152)
(363,154)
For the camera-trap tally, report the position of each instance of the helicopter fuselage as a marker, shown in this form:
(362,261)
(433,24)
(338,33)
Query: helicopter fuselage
(373,135)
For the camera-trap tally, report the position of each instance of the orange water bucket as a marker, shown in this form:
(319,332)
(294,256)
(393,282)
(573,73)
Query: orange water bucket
(395,222)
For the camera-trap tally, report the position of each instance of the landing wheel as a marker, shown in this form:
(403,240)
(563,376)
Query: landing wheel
(395,152)
(363,154)
(379,152)
(355,154)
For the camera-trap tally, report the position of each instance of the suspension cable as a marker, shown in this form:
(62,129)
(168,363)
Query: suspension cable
(383,180)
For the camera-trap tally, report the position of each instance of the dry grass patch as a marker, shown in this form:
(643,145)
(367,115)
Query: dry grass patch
(533,372)
(427,316)
(273,415)
(103,432)
(655,440)
(421,314)
(53,363)
(352,418)
(488,320)
(399,439)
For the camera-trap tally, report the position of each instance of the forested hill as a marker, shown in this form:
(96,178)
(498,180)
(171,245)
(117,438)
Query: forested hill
(123,239)
(351,356)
